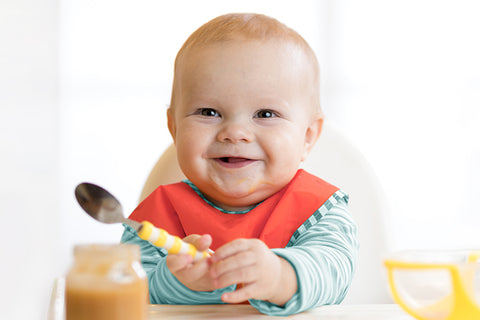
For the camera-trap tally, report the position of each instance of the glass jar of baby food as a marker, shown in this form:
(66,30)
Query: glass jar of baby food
(106,282)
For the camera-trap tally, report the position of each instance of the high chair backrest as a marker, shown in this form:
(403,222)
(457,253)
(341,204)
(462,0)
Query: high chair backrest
(336,160)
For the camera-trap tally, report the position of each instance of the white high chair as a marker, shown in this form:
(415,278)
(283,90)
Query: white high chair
(336,160)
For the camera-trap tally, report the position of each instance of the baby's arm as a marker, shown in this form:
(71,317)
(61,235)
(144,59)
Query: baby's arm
(164,287)
(323,256)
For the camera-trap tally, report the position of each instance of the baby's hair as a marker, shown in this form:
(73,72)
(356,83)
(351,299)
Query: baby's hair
(247,26)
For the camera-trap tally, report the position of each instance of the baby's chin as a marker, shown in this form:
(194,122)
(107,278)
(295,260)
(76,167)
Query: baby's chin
(238,194)
(239,201)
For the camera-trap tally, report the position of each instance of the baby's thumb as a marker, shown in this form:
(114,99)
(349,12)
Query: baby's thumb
(201,242)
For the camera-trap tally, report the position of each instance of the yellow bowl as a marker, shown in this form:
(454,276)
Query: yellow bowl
(436,285)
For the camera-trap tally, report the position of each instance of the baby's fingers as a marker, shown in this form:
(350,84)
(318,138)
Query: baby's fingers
(232,265)
(240,275)
(201,242)
(194,272)
(177,262)
(232,248)
(243,293)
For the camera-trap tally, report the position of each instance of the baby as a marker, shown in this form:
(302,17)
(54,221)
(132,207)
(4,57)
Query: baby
(244,114)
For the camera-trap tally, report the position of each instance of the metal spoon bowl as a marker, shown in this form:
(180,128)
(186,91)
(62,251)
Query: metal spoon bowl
(101,205)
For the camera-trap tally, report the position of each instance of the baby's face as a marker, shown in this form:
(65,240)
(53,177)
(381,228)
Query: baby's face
(242,119)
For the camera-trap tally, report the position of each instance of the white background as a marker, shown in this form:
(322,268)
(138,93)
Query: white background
(84,86)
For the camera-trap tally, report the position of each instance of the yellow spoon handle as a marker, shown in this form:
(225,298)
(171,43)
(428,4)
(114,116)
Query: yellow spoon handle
(173,244)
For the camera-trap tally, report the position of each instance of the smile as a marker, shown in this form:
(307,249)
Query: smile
(233,162)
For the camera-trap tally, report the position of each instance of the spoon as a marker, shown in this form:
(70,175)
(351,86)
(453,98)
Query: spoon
(102,206)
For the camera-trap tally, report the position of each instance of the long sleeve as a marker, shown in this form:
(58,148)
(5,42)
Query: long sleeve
(163,286)
(323,253)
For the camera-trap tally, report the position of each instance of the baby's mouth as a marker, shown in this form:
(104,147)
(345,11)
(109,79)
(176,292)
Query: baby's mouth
(234,162)
(233,159)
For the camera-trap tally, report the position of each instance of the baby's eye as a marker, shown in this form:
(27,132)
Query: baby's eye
(265,113)
(208,112)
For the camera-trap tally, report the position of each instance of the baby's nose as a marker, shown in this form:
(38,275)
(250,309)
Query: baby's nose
(235,132)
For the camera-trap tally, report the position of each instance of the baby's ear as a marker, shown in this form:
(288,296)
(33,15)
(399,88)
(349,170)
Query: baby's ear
(171,123)
(312,134)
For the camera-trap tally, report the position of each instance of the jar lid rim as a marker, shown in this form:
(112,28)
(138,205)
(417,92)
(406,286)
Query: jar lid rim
(116,249)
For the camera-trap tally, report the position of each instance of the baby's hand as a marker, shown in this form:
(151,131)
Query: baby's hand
(194,276)
(263,274)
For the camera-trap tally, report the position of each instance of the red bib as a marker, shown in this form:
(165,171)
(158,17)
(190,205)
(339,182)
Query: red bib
(179,210)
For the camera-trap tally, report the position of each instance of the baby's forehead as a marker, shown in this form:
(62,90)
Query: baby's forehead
(272,61)
(296,50)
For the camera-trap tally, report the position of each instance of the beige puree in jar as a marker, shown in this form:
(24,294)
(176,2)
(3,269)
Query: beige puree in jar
(106,282)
